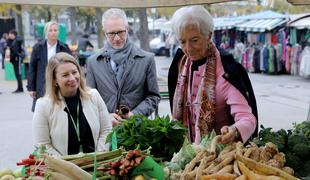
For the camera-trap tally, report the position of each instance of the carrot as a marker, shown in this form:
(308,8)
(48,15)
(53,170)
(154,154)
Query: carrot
(67,168)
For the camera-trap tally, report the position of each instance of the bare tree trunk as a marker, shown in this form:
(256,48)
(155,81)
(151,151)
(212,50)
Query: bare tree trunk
(99,27)
(144,37)
(73,26)
(19,20)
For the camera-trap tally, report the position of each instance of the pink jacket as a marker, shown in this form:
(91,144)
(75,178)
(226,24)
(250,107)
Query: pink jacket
(229,103)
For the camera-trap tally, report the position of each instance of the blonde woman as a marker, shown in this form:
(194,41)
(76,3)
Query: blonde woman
(41,53)
(70,118)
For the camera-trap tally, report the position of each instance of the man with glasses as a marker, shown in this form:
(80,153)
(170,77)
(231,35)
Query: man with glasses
(124,74)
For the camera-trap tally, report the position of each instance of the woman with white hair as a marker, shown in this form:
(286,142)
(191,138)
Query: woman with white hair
(208,89)
(41,53)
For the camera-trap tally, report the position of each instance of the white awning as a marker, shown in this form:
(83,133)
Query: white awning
(260,25)
(303,23)
(116,3)
(226,23)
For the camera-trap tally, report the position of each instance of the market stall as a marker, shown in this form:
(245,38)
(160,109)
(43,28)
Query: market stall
(166,154)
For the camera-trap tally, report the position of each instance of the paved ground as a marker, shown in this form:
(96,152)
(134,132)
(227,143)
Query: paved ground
(281,101)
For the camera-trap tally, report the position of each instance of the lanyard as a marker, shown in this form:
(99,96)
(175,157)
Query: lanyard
(77,124)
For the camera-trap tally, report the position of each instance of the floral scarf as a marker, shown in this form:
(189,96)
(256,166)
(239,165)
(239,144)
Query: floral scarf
(205,94)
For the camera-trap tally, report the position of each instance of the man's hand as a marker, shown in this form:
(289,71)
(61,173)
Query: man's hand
(33,94)
(127,116)
(114,118)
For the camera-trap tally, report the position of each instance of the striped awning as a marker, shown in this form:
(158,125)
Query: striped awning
(226,23)
(261,25)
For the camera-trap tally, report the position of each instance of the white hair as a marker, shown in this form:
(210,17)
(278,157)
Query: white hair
(48,26)
(192,15)
(114,12)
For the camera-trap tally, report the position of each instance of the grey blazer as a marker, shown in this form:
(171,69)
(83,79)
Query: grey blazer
(138,88)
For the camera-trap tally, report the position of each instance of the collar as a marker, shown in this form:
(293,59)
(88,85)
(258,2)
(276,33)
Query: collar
(135,52)
(51,46)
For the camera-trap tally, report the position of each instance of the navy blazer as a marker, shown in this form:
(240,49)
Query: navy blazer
(37,66)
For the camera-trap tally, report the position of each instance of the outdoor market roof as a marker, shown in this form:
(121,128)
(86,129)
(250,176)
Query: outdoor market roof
(257,22)
(301,22)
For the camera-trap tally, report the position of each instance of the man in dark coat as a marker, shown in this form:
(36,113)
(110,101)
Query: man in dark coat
(15,44)
(41,52)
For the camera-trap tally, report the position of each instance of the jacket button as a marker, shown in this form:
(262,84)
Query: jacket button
(247,94)
(226,75)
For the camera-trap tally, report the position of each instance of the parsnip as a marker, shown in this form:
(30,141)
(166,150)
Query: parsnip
(236,168)
(227,149)
(223,163)
(67,168)
(226,169)
(188,168)
(242,177)
(265,169)
(201,166)
(213,144)
(218,176)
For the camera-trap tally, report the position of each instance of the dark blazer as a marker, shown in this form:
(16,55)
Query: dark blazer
(234,74)
(37,66)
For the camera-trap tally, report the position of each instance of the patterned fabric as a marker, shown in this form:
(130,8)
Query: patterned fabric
(205,95)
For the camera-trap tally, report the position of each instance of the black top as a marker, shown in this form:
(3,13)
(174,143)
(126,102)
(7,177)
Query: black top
(86,135)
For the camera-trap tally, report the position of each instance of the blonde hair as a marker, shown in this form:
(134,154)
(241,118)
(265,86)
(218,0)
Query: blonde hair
(48,25)
(52,90)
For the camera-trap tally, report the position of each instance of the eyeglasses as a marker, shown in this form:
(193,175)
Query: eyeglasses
(118,33)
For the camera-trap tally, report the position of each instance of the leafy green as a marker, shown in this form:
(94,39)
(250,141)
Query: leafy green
(265,135)
(164,136)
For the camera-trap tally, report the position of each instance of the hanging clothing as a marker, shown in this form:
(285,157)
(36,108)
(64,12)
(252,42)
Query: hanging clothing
(305,62)
(288,59)
(296,52)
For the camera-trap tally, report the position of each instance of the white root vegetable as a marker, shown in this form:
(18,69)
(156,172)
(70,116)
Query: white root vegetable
(67,168)
(213,144)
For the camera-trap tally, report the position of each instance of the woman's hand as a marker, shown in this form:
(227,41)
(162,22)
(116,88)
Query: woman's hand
(229,135)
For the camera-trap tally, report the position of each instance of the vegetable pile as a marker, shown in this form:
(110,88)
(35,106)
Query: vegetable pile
(164,137)
(236,162)
(295,143)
